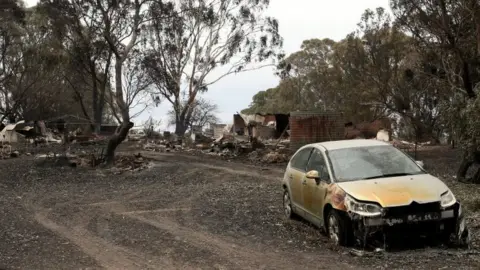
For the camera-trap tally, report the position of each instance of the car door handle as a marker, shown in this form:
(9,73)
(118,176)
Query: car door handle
(304,182)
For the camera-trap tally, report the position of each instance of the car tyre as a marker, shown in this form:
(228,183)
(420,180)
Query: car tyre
(287,206)
(337,228)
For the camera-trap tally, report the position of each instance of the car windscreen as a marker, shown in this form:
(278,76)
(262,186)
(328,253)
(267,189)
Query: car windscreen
(371,162)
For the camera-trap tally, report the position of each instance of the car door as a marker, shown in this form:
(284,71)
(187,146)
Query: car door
(296,173)
(313,195)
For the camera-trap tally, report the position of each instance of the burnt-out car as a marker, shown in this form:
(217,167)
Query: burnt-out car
(357,189)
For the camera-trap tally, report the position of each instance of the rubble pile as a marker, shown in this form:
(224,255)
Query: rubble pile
(6,152)
(130,163)
(249,138)
(160,145)
(275,157)
(407,146)
(156,147)
(267,156)
(123,163)
(253,150)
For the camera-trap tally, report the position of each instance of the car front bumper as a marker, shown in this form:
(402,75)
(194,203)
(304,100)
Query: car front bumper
(410,219)
(447,222)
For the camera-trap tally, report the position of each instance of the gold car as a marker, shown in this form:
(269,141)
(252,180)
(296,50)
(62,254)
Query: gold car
(357,189)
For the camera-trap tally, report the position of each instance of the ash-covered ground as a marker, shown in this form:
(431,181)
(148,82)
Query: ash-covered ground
(187,212)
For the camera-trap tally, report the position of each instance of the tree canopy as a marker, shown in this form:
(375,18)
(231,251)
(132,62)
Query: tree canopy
(420,68)
(110,59)
(201,36)
(103,60)
(403,67)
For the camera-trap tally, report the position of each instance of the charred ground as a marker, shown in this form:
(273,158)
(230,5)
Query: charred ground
(186,211)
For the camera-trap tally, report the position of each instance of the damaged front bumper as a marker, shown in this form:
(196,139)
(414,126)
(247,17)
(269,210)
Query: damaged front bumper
(414,221)
(408,219)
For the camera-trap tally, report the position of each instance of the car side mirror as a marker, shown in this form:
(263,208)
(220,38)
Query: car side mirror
(420,163)
(313,174)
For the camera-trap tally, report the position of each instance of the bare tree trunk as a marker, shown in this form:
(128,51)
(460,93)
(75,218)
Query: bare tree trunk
(97,118)
(100,109)
(96,126)
(183,119)
(462,171)
(121,133)
(99,96)
(180,128)
(98,106)
(115,140)
(476,177)
(181,122)
(471,156)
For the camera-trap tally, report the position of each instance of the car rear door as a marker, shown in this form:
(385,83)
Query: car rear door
(296,173)
(313,195)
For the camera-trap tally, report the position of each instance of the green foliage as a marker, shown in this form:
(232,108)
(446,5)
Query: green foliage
(447,32)
(425,78)
(31,83)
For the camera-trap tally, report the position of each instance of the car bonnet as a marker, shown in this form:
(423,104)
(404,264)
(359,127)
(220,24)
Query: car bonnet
(396,191)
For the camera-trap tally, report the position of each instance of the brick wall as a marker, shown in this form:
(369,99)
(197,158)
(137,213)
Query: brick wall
(312,127)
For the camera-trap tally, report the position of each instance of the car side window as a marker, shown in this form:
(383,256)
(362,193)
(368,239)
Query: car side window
(299,161)
(317,162)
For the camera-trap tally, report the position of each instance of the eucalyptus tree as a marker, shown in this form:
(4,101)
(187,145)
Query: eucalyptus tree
(448,32)
(197,39)
(89,57)
(114,28)
(31,61)
(12,21)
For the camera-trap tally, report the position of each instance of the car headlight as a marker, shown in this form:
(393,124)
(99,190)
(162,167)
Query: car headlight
(363,209)
(447,199)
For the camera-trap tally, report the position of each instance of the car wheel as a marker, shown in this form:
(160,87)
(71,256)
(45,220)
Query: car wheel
(336,228)
(287,205)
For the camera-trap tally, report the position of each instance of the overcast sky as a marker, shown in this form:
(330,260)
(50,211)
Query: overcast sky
(299,20)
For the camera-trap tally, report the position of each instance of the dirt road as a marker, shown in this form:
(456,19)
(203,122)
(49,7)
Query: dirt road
(182,213)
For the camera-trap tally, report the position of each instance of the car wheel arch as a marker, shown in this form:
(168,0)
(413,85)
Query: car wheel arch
(346,234)
(326,209)
(329,207)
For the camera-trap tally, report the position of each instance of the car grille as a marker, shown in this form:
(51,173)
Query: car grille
(413,208)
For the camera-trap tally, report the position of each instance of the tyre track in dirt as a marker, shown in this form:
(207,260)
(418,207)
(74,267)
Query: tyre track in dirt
(108,255)
(225,246)
(244,257)
(185,212)
(229,249)
(306,260)
(274,174)
(231,252)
